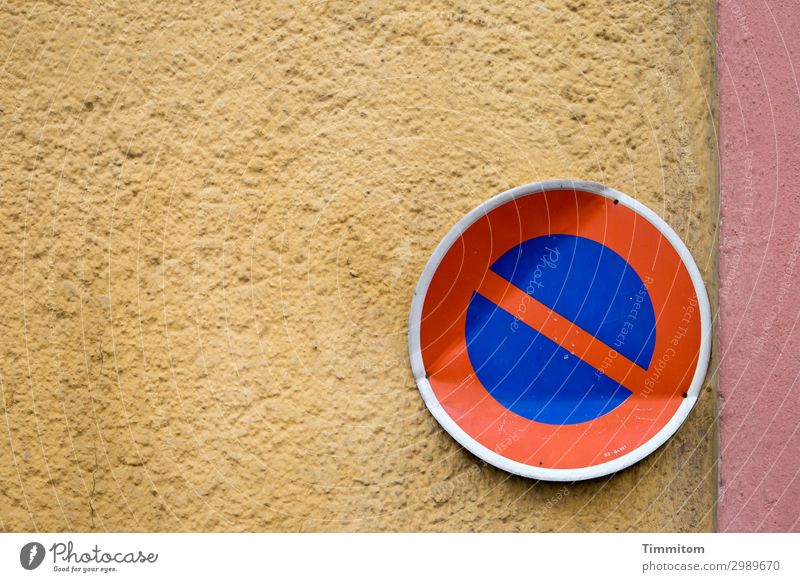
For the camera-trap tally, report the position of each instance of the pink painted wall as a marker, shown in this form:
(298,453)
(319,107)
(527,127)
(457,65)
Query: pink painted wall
(759,336)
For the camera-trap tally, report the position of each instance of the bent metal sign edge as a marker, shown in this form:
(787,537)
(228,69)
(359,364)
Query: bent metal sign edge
(560,331)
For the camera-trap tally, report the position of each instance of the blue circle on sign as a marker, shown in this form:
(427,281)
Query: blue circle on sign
(584,282)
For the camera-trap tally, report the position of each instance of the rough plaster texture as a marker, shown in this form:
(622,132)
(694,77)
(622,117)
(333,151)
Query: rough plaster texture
(759,275)
(214,217)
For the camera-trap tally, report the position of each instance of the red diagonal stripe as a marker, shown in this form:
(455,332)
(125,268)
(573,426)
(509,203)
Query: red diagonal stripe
(565,333)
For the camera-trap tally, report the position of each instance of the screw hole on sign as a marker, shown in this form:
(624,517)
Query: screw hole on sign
(616,201)
(685,394)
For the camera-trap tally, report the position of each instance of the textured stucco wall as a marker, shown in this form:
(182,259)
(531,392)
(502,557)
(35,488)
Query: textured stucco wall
(759,275)
(214,217)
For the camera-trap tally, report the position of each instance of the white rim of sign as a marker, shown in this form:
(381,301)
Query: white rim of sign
(531,471)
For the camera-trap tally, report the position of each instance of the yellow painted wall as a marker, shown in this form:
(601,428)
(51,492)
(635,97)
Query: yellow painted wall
(213,219)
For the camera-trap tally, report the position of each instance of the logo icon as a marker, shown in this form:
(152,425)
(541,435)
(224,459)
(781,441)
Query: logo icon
(31,555)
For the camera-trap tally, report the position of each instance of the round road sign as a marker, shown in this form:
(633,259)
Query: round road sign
(560,331)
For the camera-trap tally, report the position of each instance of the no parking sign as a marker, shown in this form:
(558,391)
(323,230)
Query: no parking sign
(560,331)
